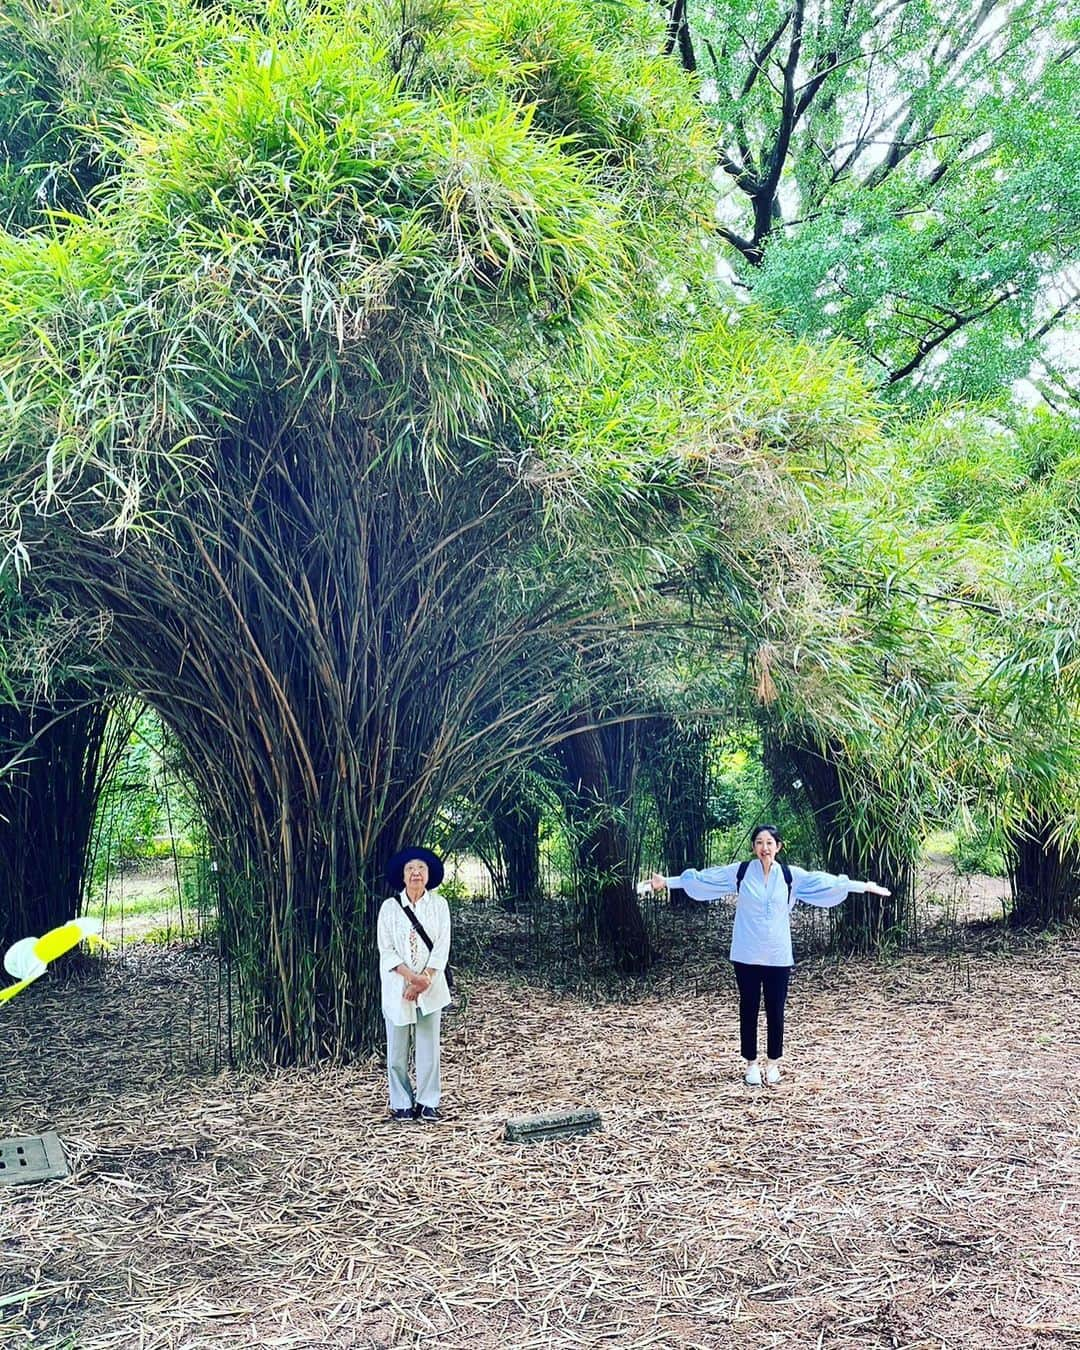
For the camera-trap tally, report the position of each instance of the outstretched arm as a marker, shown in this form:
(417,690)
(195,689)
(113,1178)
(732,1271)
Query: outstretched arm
(706,885)
(825,890)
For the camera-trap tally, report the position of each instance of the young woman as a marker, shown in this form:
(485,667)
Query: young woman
(761,939)
(414,987)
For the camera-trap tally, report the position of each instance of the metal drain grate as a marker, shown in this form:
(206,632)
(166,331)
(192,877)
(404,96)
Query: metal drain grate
(38,1157)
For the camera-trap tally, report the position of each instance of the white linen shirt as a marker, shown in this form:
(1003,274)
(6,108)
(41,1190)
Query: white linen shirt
(401,944)
(762,932)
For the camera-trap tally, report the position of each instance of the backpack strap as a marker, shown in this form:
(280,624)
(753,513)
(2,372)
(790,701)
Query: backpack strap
(785,872)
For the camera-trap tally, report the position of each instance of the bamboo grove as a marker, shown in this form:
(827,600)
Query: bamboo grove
(372,413)
(283,384)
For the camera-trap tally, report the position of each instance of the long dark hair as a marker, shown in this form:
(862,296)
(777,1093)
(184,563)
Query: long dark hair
(771,829)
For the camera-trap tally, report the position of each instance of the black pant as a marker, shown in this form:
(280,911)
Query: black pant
(751,980)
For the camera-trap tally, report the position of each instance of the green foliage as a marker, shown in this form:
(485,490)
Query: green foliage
(747,795)
(135,905)
(72,78)
(129,809)
(981,850)
(907,177)
(959,465)
(159,848)
(145,811)
(453,890)
(275,406)
(947,686)
(303,223)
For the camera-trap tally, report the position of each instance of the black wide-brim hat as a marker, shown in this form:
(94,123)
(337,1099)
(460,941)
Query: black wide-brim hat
(395,868)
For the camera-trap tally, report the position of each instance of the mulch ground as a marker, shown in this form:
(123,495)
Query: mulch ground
(913,1181)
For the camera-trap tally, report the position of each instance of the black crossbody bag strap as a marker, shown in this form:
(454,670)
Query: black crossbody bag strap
(408,912)
(422,931)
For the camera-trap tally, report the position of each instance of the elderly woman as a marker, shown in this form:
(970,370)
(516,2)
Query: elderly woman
(414,946)
(766,891)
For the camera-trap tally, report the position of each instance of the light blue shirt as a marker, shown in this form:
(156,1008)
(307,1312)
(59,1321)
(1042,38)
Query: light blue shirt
(762,932)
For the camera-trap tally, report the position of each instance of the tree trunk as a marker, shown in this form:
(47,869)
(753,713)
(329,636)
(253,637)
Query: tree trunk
(516,827)
(679,36)
(678,770)
(600,766)
(1044,878)
(862,922)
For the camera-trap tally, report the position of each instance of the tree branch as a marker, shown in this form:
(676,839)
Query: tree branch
(1071,303)
(742,175)
(747,247)
(760,59)
(678,35)
(929,344)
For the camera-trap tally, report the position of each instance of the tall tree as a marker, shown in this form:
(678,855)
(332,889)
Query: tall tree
(1031,642)
(601,766)
(904,175)
(503,831)
(678,770)
(950,656)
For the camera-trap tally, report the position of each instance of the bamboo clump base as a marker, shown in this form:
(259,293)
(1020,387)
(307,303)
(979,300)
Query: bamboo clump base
(911,1183)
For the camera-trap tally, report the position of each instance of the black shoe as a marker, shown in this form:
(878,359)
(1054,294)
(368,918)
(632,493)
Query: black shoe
(430,1115)
(403,1113)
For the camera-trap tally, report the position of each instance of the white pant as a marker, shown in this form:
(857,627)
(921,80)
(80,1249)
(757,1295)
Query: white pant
(428,1085)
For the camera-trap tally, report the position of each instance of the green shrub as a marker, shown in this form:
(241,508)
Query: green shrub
(979,851)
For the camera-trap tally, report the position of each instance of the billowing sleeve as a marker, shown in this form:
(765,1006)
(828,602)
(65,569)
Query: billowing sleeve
(440,953)
(821,888)
(707,885)
(389,956)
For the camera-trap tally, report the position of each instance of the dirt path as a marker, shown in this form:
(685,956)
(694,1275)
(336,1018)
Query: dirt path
(912,1183)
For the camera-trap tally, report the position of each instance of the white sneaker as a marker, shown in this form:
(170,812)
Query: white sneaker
(752,1076)
(772,1074)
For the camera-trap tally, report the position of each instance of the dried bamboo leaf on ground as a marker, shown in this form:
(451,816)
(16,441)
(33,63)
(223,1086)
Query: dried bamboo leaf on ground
(912,1182)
